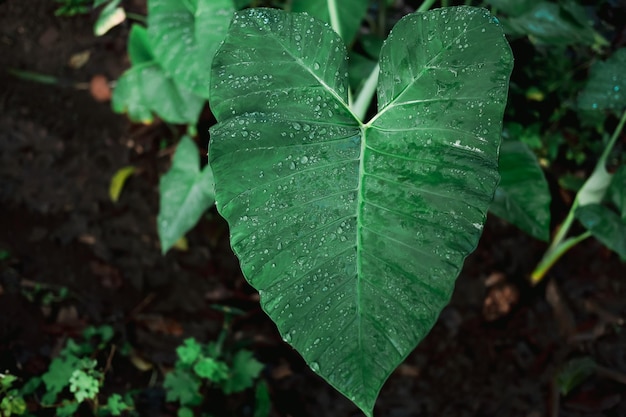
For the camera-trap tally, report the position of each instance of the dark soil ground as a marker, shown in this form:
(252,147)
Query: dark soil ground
(494,352)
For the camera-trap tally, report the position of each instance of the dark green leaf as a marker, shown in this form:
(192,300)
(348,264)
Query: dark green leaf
(262,401)
(606,87)
(244,370)
(185,35)
(354,233)
(513,8)
(522,197)
(180,385)
(139,49)
(67,409)
(186,193)
(348,14)
(575,372)
(547,24)
(360,68)
(617,191)
(605,225)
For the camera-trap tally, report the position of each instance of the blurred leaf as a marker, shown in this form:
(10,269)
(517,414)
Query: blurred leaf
(574,373)
(116,405)
(67,409)
(244,370)
(372,45)
(617,190)
(547,24)
(262,401)
(185,35)
(349,14)
(146,88)
(189,351)
(186,193)
(605,89)
(571,182)
(523,196)
(110,16)
(118,181)
(211,369)
(181,244)
(359,68)
(182,386)
(58,375)
(139,49)
(513,8)
(185,412)
(605,225)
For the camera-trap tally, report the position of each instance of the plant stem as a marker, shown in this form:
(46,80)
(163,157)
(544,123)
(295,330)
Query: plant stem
(363,100)
(138,17)
(591,192)
(426,4)
(382,18)
(334,15)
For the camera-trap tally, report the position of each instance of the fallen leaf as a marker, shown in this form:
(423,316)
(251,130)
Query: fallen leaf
(79,59)
(501,297)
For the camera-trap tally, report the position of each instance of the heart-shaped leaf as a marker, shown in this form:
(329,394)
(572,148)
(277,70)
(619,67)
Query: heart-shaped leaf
(145,88)
(185,34)
(605,225)
(522,197)
(354,233)
(186,193)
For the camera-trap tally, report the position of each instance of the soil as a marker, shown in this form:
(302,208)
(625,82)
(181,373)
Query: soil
(495,351)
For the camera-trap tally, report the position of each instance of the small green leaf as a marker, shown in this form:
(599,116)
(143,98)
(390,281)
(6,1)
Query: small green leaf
(606,87)
(180,385)
(605,225)
(67,409)
(186,193)
(12,404)
(523,196)
(211,369)
(58,375)
(353,232)
(185,412)
(118,181)
(84,382)
(344,15)
(185,36)
(244,370)
(116,405)
(110,16)
(189,351)
(575,372)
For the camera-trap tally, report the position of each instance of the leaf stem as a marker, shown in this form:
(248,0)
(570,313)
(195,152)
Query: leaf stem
(426,4)
(363,100)
(334,16)
(591,192)
(138,17)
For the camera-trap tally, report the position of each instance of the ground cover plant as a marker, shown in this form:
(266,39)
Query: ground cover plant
(353,215)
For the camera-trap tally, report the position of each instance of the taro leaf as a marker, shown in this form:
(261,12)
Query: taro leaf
(605,225)
(186,193)
(607,85)
(145,88)
(522,197)
(185,35)
(347,14)
(354,233)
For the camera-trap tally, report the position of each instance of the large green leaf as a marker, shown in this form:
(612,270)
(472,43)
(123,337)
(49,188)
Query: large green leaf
(617,191)
(522,197)
(145,88)
(345,15)
(186,193)
(185,35)
(605,225)
(606,88)
(354,233)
